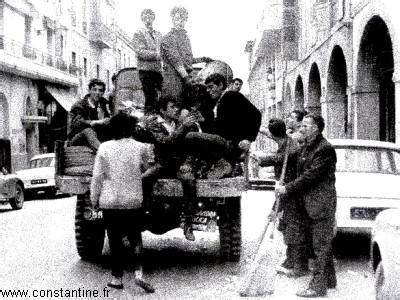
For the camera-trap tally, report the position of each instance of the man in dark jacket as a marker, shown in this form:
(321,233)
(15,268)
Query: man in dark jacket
(90,117)
(315,183)
(292,221)
(237,120)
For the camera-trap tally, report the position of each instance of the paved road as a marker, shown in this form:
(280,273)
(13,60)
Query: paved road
(38,254)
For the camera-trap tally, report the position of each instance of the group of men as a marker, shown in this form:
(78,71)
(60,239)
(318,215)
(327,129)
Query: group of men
(205,136)
(307,198)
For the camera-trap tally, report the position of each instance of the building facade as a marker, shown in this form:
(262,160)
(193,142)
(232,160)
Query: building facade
(338,58)
(49,50)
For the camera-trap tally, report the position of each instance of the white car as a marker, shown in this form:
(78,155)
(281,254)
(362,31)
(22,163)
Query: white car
(367,182)
(41,175)
(385,255)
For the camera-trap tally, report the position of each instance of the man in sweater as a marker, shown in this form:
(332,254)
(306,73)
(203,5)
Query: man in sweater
(177,57)
(116,188)
(147,47)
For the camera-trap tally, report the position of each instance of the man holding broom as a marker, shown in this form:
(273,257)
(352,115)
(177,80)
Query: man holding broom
(315,183)
(292,221)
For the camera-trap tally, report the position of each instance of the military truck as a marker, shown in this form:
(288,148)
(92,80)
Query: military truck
(218,201)
(11,187)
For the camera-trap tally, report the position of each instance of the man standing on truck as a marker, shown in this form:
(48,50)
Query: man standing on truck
(90,117)
(177,57)
(146,43)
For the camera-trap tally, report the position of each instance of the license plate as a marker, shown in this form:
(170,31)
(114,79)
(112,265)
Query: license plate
(365,213)
(204,221)
(38,181)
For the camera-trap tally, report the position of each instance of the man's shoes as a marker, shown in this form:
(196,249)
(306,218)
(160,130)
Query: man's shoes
(116,283)
(188,232)
(282,270)
(296,273)
(221,169)
(310,293)
(147,287)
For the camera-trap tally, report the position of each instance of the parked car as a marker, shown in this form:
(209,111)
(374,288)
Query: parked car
(367,182)
(385,255)
(40,177)
(367,174)
(11,187)
(260,178)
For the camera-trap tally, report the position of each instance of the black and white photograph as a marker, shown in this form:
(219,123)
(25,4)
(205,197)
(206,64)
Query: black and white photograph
(215,149)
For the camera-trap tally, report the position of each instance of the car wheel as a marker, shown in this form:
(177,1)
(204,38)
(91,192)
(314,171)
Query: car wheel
(18,201)
(380,290)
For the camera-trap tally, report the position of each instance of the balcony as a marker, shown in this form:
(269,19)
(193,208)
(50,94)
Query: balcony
(24,60)
(101,35)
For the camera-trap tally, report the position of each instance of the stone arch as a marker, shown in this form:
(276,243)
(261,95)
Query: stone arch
(374,91)
(4,117)
(337,116)
(299,94)
(313,104)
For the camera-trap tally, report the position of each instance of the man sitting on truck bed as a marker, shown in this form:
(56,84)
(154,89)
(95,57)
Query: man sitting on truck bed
(237,122)
(167,134)
(90,117)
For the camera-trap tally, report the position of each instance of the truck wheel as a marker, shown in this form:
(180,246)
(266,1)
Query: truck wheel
(18,201)
(230,232)
(89,235)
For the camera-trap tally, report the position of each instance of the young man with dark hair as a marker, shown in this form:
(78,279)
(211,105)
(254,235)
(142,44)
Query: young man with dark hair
(116,188)
(315,184)
(168,135)
(237,120)
(90,117)
(292,223)
(147,47)
(236,84)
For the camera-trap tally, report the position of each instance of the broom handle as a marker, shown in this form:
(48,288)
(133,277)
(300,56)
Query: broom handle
(281,181)
(277,200)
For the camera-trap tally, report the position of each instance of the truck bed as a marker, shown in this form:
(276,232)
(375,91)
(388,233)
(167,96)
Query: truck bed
(219,188)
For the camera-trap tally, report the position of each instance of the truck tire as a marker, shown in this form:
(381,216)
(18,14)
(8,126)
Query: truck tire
(18,201)
(89,235)
(230,231)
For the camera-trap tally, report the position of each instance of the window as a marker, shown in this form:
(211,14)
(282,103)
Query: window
(368,160)
(28,30)
(85,66)
(73,58)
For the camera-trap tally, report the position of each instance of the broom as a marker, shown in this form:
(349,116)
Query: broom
(260,278)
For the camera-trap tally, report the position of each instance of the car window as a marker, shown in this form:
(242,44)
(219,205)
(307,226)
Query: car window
(368,160)
(42,162)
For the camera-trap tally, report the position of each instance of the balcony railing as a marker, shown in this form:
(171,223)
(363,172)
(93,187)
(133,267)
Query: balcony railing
(24,51)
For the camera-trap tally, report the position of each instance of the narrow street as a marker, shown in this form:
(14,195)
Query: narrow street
(38,250)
